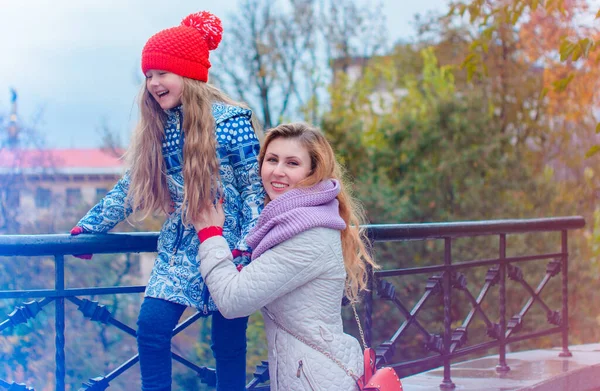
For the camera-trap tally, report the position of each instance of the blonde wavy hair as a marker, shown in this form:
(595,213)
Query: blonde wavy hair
(148,192)
(325,166)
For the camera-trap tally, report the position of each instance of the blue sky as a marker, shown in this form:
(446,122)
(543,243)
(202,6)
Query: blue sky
(78,61)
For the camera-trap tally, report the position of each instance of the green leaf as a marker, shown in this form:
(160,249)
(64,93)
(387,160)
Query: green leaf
(543,93)
(598,128)
(474,45)
(577,53)
(451,10)
(587,45)
(592,151)
(474,12)
(566,49)
(561,8)
(514,17)
(562,84)
(469,59)
(488,32)
(485,47)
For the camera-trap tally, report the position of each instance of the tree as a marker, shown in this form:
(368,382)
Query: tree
(276,55)
(572,75)
(518,69)
(440,152)
(434,151)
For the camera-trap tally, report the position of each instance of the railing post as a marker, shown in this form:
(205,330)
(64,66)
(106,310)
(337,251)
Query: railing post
(565,296)
(59,320)
(447,383)
(502,367)
(369,308)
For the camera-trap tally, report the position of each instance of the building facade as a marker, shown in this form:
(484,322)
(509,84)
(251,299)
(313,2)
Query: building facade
(46,184)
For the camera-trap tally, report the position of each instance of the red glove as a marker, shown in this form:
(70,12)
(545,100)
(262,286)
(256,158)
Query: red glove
(76,230)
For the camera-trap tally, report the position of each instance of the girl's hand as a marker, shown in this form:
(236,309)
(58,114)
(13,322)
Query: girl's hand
(212,217)
(76,230)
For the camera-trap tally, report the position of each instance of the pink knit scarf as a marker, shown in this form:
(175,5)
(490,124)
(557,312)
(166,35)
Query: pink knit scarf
(294,212)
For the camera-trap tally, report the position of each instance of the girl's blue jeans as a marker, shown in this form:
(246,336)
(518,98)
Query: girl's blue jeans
(156,322)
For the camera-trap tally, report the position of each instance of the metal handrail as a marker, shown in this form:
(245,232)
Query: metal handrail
(39,245)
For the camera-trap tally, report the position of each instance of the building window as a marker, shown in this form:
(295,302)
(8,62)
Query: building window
(42,197)
(73,197)
(13,198)
(100,193)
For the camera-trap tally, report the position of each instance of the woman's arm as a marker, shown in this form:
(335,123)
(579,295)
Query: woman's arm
(275,273)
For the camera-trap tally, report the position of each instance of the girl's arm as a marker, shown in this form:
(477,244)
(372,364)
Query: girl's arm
(242,151)
(276,272)
(109,211)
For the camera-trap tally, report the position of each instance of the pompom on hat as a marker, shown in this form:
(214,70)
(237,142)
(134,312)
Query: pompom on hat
(184,49)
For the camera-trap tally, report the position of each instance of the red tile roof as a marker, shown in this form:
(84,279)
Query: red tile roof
(78,160)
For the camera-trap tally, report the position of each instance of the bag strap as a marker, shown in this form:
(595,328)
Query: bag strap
(360,330)
(369,354)
(315,347)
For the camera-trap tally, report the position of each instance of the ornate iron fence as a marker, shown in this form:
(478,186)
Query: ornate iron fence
(444,278)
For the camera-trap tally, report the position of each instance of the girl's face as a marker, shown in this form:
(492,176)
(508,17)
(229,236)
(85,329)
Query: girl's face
(286,163)
(165,87)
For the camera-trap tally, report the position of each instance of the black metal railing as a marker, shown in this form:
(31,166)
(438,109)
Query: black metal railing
(446,277)
(443,279)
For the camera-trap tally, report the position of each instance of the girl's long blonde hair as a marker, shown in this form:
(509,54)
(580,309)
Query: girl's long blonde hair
(148,192)
(324,165)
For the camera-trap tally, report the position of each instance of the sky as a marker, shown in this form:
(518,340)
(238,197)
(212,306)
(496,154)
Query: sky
(75,63)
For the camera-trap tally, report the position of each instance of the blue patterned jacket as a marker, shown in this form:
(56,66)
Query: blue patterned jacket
(175,276)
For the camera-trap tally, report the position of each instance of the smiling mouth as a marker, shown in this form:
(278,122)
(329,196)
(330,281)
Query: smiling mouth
(278,186)
(162,93)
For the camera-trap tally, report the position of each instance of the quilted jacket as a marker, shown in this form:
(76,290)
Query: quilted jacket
(300,283)
(175,276)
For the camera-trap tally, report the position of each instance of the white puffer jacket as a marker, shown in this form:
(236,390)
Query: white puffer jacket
(299,282)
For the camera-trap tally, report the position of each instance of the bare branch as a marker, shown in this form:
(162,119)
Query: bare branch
(277,54)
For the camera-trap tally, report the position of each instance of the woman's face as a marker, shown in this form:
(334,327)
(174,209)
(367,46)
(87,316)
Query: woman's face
(165,87)
(286,163)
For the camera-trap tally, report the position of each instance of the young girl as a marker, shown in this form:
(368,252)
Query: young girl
(307,254)
(192,146)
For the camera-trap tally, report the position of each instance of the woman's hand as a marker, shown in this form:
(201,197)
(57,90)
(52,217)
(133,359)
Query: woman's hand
(212,217)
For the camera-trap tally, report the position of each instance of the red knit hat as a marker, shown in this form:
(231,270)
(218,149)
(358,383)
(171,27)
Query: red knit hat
(183,50)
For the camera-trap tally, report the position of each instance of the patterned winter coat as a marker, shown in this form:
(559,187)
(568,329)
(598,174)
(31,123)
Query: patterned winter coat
(175,276)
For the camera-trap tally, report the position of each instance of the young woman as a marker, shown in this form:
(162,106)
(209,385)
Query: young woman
(307,254)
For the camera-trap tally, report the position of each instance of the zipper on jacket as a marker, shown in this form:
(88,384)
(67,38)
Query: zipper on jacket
(302,371)
(205,299)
